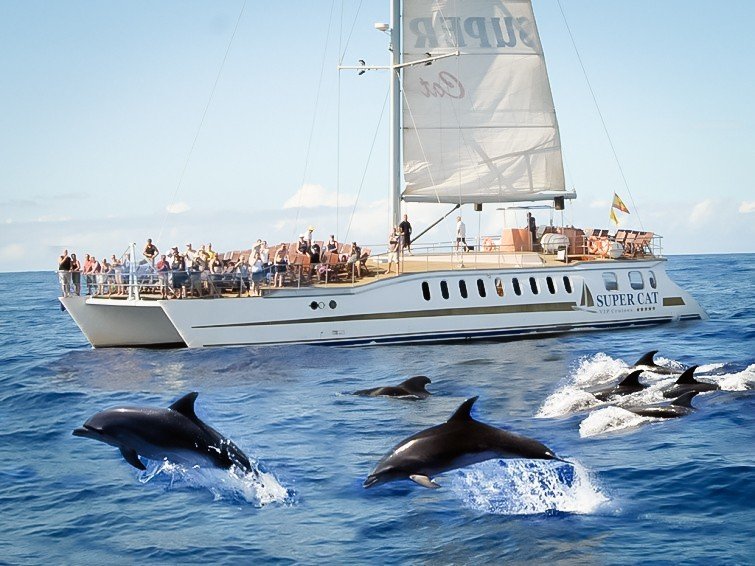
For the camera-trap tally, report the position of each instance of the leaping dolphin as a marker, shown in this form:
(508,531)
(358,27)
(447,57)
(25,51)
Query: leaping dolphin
(646,362)
(412,388)
(630,384)
(687,382)
(461,441)
(679,407)
(175,434)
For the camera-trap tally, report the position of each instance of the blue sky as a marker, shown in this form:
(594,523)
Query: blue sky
(102,100)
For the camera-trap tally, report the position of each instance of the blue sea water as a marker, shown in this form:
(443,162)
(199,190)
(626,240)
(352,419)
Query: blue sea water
(639,491)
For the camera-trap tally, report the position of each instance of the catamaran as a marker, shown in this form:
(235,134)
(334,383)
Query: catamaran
(472,123)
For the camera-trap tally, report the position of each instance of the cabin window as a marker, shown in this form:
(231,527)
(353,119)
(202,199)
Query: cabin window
(567,284)
(517,288)
(652,280)
(636,281)
(551,285)
(533,286)
(463,288)
(444,289)
(610,281)
(481,287)
(499,287)
(426,290)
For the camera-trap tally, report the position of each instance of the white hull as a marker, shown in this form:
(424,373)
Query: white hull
(395,309)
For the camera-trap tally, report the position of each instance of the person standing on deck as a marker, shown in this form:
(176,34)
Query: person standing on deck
(150,252)
(393,243)
(64,273)
(532,227)
(461,234)
(76,274)
(406,234)
(88,266)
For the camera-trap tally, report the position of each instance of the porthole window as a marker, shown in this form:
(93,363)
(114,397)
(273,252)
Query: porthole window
(481,287)
(444,289)
(652,280)
(610,281)
(515,284)
(567,284)
(533,286)
(551,285)
(636,281)
(426,290)
(499,287)
(463,288)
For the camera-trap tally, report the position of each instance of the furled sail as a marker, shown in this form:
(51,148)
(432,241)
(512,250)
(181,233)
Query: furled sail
(481,126)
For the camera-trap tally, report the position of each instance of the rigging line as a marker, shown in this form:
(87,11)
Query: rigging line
(595,101)
(201,122)
(314,117)
(366,165)
(342,54)
(338,124)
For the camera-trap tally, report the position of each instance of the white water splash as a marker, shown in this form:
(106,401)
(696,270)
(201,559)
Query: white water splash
(566,401)
(609,419)
(597,369)
(258,488)
(740,381)
(527,487)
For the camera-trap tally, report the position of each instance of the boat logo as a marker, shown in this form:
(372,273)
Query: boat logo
(474,32)
(446,85)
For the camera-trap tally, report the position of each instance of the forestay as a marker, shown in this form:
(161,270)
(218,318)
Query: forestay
(480,127)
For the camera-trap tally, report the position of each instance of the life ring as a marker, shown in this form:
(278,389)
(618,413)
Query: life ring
(488,245)
(593,245)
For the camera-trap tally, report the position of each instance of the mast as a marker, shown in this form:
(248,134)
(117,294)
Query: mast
(394,196)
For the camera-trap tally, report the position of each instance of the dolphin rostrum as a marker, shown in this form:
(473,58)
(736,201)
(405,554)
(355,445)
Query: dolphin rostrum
(687,382)
(412,388)
(646,362)
(677,408)
(461,441)
(630,384)
(175,434)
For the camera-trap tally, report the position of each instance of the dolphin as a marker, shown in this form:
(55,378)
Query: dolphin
(646,362)
(677,408)
(687,382)
(412,388)
(461,441)
(630,384)
(175,434)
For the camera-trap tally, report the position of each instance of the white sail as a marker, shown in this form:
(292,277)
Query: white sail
(481,126)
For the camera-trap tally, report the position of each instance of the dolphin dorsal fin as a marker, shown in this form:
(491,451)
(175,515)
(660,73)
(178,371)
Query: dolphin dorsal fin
(647,359)
(463,412)
(632,380)
(684,400)
(185,405)
(687,377)
(416,383)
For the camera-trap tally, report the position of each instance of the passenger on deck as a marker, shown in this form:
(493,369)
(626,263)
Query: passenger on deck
(406,234)
(332,245)
(279,266)
(163,271)
(117,274)
(393,243)
(88,265)
(76,274)
(532,227)
(150,252)
(102,278)
(303,245)
(180,278)
(64,273)
(353,262)
(461,234)
(258,275)
(190,255)
(265,253)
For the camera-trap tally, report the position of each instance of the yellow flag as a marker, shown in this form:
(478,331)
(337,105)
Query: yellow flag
(613,217)
(618,203)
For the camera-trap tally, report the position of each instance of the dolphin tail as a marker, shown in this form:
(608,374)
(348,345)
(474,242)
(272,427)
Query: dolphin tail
(687,377)
(647,359)
(684,400)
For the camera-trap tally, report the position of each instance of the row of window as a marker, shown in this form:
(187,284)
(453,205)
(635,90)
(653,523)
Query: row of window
(636,280)
(534,286)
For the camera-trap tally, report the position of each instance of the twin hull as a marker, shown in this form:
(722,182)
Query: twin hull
(417,307)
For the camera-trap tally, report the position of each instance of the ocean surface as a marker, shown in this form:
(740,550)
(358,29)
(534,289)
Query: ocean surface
(637,491)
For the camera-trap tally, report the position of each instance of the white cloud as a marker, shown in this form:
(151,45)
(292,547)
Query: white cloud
(53,218)
(701,212)
(12,252)
(177,207)
(747,206)
(313,196)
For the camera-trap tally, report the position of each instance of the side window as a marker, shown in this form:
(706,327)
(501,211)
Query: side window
(426,290)
(610,281)
(463,288)
(551,285)
(481,287)
(651,280)
(533,286)
(635,280)
(499,287)
(444,289)
(567,284)
(515,284)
